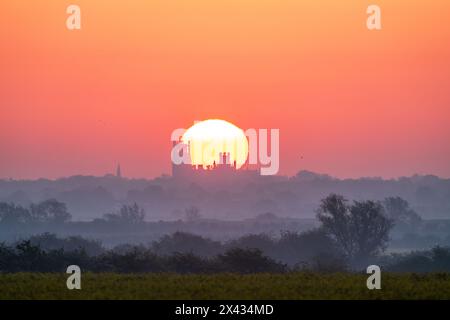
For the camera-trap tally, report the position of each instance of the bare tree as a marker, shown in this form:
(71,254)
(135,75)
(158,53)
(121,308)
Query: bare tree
(128,214)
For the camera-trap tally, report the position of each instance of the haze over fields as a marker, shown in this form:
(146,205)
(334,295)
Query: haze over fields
(165,198)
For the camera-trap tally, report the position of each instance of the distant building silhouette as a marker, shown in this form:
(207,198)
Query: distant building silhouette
(118,172)
(224,171)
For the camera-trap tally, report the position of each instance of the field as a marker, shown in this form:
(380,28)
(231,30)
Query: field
(224,286)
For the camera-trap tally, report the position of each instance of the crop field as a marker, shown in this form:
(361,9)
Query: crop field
(300,285)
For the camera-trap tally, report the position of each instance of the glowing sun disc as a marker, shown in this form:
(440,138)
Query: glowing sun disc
(209,138)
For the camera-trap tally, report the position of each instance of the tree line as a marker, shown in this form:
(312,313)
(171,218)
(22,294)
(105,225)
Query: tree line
(351,235)
(48,253)
(52,211)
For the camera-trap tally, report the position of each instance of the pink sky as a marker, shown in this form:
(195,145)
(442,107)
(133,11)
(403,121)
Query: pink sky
(350,101)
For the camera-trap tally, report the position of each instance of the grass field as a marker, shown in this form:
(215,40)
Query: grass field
(224,286)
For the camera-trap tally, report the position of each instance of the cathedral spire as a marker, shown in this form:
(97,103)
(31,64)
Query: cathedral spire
(118,172)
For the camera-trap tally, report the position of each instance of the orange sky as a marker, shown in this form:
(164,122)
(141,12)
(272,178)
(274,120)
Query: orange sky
(352,102)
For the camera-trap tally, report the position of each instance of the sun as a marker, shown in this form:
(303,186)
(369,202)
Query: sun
(209,138)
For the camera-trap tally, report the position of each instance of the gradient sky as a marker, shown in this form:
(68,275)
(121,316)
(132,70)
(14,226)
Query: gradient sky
(352,102)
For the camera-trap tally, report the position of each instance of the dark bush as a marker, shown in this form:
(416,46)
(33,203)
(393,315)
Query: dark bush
(435,260)
(247,261)
(189,263)
(133,261)
(186,243)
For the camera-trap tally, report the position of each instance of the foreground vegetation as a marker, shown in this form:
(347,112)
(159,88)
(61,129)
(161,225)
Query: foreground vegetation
(299,285)
(191,254)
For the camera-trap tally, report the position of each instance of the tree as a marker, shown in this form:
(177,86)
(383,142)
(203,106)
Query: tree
(49,241)
(192,213)
(261,241)
(50,210)
(128,214)
(398,210)
(46,211)
(13,214)
(361,230)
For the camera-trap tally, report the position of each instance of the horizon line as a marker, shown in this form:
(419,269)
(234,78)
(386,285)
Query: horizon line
(165,175)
